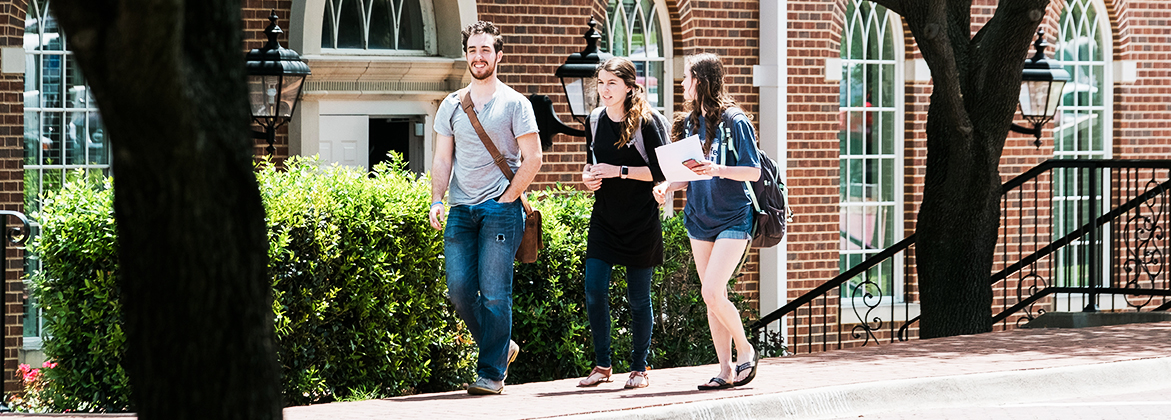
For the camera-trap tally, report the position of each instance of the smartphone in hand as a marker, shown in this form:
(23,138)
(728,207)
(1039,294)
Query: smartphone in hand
(691,163)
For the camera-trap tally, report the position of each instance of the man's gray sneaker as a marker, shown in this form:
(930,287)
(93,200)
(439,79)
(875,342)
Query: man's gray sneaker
(485,386)
(513,350)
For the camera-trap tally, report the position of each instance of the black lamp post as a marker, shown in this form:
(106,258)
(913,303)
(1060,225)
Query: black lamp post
(581,89)
(275,78)
(1041,85)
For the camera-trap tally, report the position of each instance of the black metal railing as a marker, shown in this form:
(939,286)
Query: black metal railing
(1101,234)
(16,236)
(1058,242)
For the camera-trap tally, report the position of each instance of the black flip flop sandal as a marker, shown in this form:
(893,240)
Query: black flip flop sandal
(721,384)
(746,366)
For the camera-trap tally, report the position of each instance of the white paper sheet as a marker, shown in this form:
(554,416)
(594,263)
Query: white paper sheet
(671,157)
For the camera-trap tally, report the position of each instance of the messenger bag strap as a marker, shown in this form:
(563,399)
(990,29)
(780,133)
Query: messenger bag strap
(465,99)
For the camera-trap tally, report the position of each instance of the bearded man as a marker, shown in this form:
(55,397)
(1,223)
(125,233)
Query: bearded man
(486,220)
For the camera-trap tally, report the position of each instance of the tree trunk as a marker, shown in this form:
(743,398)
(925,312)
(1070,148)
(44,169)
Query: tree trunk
(976,83)
(957,228)
(168,77)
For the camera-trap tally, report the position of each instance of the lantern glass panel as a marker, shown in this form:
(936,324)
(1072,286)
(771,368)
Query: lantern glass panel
(1034,98)
(582,94)
(288,96)
(591,95)
(575,95)
(1054,98)
(262,95)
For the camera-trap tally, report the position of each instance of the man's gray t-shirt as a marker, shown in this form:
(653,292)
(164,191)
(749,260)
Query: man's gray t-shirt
(475,178)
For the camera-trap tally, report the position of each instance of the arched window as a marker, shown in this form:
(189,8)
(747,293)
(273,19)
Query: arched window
(1081,129)
(869,139)
(373,25)
(635,32)
(64,139)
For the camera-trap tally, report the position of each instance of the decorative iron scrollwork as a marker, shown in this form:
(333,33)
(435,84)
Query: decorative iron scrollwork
(863,292)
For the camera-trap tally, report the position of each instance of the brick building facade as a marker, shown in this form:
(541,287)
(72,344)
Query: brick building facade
(787,68)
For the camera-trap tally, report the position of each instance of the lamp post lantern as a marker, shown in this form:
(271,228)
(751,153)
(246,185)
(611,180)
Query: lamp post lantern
(581,89)
(275,77)
(1042,82)
(578,74)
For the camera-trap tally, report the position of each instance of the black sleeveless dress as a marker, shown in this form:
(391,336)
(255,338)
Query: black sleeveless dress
(625,228)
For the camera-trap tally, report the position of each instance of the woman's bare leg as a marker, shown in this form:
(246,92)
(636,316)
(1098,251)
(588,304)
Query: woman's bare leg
(722,259)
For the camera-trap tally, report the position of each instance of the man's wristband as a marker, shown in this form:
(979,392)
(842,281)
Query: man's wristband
(437,202)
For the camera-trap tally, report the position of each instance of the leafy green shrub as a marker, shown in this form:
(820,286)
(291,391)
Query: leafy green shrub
(358,284)
(80,298)
(548,311)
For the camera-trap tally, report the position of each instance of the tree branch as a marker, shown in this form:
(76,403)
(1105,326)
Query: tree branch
(998,53)
(896,6)
(929,23)
(959,30)
(84,24)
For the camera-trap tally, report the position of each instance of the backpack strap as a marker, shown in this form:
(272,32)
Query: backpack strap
(465,100)
(755,204)
(725,133)
(638,142)
(592,120)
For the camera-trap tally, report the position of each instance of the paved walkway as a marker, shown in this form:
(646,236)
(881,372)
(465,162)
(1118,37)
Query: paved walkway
(1017,368)
(1025,365)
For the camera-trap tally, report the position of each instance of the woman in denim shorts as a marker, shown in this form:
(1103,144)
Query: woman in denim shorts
(718,214)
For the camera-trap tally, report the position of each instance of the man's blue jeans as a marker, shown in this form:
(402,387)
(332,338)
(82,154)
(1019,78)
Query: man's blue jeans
(480,243)
(638,294)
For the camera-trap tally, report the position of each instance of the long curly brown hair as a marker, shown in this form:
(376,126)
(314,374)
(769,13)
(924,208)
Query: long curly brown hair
(710,97)
(636,106)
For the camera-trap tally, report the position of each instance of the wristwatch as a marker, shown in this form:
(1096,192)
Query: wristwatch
(625,171)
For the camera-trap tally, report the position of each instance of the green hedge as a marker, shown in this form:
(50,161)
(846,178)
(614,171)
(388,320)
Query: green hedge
(79,295)
(359,292)
(358,284)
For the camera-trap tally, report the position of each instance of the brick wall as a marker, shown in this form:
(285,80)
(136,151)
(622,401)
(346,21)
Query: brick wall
(814,35)
(12,188)
(1142,118)
(537,39)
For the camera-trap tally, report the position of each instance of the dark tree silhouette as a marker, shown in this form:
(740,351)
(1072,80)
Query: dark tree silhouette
(976,83)
(168,76)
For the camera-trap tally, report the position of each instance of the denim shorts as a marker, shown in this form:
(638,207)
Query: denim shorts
(743,230)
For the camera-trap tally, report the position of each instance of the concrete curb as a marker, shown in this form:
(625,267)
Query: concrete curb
(921,393)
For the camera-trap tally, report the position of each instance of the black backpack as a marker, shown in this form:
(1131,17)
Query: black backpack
(767,194)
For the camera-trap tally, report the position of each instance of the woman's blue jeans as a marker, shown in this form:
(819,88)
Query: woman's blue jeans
(638,294)
(480,243)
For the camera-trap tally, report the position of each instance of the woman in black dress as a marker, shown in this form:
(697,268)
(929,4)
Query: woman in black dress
(624,228)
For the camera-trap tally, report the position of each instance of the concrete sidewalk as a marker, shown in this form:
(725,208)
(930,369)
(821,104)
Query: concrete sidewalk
(1019,366)
(1023,365)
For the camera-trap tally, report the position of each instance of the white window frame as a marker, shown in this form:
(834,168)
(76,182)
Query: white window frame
(893,30)
(1099,31)
(81,102)
(661,20)
(428,15)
